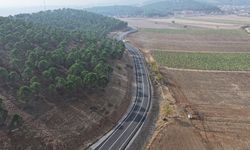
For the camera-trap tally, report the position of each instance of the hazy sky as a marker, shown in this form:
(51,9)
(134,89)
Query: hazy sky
(30,3)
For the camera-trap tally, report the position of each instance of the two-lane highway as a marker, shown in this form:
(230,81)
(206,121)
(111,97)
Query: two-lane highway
(123,134)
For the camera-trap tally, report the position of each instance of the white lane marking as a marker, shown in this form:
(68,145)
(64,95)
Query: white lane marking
(129,111)
(145,110)
(150,107)
(141,70)
(128,114)
(131,121)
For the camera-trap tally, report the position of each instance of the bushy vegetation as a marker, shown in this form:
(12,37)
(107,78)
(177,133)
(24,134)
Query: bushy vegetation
(158,8)
(204,61)
(55,53)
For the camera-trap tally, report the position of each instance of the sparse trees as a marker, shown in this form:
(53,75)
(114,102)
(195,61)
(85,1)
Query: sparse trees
(103,81)
(52,89)
(16,122)
(90,80)
(73,82)
(3,74)
(43,65)
(24,93)
(14,77)
(76,68)
(3,116)
(35,87)
(60,83)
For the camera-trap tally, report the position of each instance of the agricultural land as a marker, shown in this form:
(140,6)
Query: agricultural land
(204,67)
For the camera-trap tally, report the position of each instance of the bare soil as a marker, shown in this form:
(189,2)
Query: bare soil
(191,42)
(211,22)
(149,23)
(72,123)
(223,101)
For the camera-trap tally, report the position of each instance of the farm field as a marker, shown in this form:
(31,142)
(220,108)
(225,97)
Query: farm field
(198,40)
(212,22)
(223,99)
(204,61)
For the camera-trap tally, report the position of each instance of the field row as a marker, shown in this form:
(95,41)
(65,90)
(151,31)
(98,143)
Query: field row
(213,32)
(204,61)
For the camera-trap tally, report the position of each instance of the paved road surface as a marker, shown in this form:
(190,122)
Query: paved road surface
(127,129)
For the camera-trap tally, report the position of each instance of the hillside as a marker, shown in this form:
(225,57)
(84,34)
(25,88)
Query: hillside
(158,8)
(51,70)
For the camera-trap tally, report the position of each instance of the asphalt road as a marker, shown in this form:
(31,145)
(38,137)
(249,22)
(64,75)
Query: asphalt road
(128,128)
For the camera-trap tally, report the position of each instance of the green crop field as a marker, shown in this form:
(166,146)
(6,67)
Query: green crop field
(204,61)
(229,32)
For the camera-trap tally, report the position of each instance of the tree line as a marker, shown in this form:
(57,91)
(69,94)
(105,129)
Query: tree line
(75,20)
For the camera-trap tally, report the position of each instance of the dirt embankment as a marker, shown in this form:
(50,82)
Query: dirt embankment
(72,124)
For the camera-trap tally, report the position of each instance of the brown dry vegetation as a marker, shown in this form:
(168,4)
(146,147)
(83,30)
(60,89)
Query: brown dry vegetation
(76,123)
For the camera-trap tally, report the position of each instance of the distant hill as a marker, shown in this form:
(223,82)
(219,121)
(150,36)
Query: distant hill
(156,8)
(233,2)
(169,6)
(117,10)
(228,2)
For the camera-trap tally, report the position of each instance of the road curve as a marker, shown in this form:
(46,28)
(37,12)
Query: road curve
(126,130)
